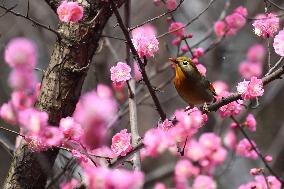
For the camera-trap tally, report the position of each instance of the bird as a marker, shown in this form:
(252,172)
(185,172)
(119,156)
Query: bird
(193,87)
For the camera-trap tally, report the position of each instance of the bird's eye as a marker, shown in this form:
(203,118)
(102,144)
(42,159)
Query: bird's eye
(185,63)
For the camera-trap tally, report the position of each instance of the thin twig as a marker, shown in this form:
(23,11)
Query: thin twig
(141,64)
(10,10)
(262,158)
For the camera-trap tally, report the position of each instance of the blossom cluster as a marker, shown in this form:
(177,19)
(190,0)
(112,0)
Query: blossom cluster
(261,182)
(145,41)
(232,23)
(266,25)
(70,12)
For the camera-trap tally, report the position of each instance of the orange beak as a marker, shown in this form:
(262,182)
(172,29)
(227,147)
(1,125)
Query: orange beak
(174,60)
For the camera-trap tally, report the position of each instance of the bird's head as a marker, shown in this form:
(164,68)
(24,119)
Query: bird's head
(184,63)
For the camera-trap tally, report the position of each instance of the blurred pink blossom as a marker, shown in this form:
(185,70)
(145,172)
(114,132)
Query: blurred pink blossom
(268,158)
(21,100)
(230,139)
(204,182)
(248,69)
(21,53)
(256,53)
(176,25)
(8,113)
(241,10)
(272,181)
(266,25)
(171,4)
(166,125)
(201,69)
(79,156)
(70,12)
(185,169)
(53,136)
(250,122)
(121,143)
(278,43)
(245,149)
(184,48)
(22,80)
(220,87)
(232,108)
(70,129)
(146,29)
(235,21)
(220,28)
(104,91)
(198,52)
(137,73)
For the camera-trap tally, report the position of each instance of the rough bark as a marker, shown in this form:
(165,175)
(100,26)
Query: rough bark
(60,88)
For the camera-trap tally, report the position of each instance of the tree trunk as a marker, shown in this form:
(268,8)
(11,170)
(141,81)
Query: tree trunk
(61,88)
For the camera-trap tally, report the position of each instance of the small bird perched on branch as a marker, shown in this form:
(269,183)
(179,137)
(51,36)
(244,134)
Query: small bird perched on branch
(191,85)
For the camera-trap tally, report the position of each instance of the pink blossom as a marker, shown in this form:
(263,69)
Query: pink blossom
(235,21)
(220,87)
(201,69)
(120,73)
(204,182)
(70,12)
(219,156)
(220,28)
(185,169)
(233,108)
(21,100)
(255,171)
(268,158)
(174,29)
(210,141)
(256,53)
(104,178)
(157,2)
(70,129)
(176,41)
(122,179)
(166,125)
(198,52)
(22,80)
(146,29)
(184,48)
(53,136)
(250,122)
(8,113)
(242,11)
(157,141)
(248,69)
(230,139)
(171,4)
(250,89)
(266,25)
(278,43)
(104,91)
(79,156)
(195,151)
(160,185)
(33,120)
(21,53)
(121,143)
(272,182)
(145,45)
(73,183)
(137,73)
(245,149)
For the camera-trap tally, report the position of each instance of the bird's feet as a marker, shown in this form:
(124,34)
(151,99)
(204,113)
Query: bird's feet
(205,108)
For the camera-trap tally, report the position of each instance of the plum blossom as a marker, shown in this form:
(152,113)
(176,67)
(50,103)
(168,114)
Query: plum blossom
(245,149)
(104,178)
(230,139)
(256,53)
(137,73)
(259,182)
(233,108)
(79,156)
(278,43)
(121,143)
(70,129)
(266,25)
(250,89)
(166,125)
(146,29)
(145,43)
(120,73)
(21,53)
(249,69)
(268,158)
(8,113)
(201,69)
(22,80)
(204,182)
(185,169)
(70,12)
(171,4)
(94,113)
(250,122)
(22,100)
(53,136)
(220,28)
(220,87)
(174,29)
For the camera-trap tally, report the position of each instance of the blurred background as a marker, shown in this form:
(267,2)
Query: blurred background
(221,62)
